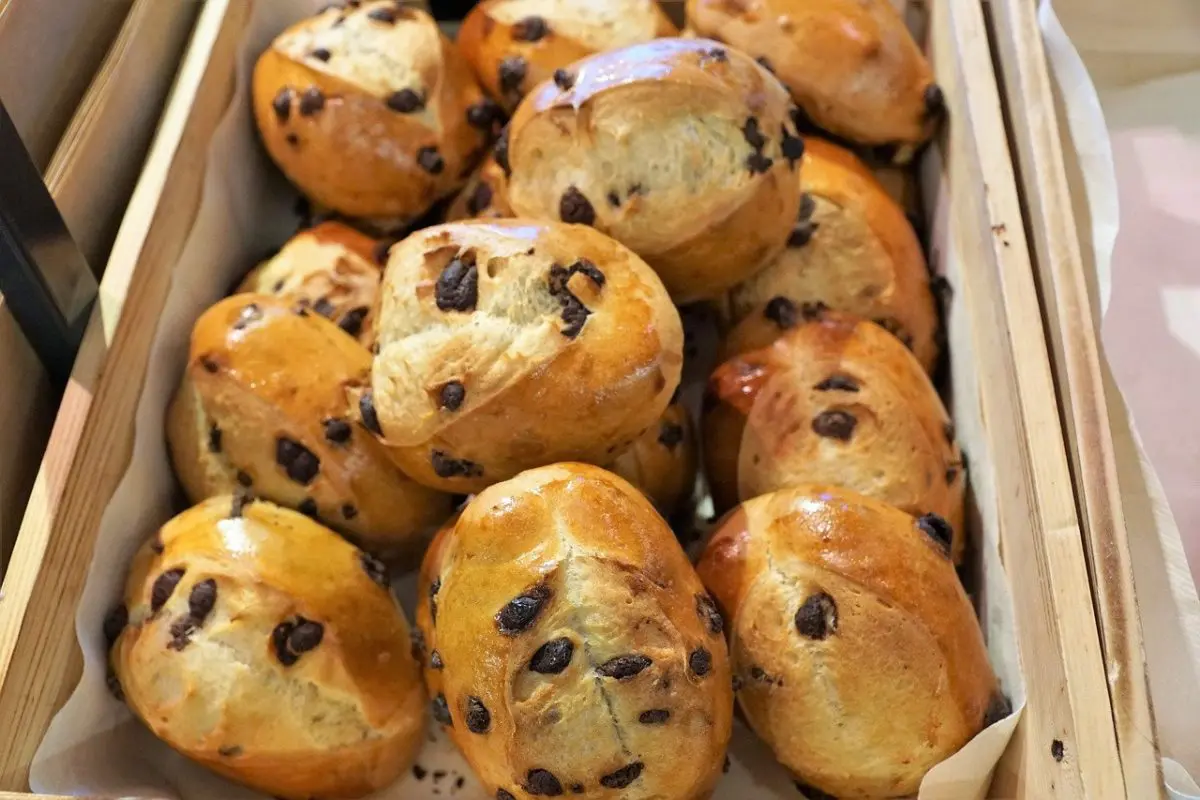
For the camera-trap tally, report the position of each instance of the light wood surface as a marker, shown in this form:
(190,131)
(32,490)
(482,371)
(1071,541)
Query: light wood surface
(1073,332)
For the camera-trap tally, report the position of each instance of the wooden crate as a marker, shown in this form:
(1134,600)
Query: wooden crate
(1039,529)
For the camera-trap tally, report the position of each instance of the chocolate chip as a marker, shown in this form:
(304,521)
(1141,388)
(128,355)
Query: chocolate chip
(706,609)
(700,662)
(352,321)
(951,473)
(300,463)
(757,163)
(817,617)
(434,588)
(765,64)
(837,383)
(614,199)
(670,435)
(484,114)
(479,719)
(214,439)
(834,424)
(941,289)
(232,751)
(451,395)
(808,206)
(1057,751)
(530,29)
(441,711)
(431,160)
(113,683)
(937,529)
(244,480)
(814,310)
(563,79)
(114,622)
(577,788)
(552,657)
(447,467)
(935,100)
(384,14)
(366,408)
(282,104)
(802,233)
(792,147)
(435,660)
(308,507)
(543,783)
(164,586)
(753,135)
(202,599)
(813,794)
(589,269)
(320,54)
(419,772)
(623,667)
(376,570)
(716,54)
(480,199)
(209,364)
(502,794)
(292,638)
(623,777)
(655,716)
(337,430)
(311,101)
(501,153)
(781,311)
(511,74)
(181,631)
(458,286)
(240,501)
(416,640)
(292,139)
(575,207)
(325,308)
(574,313)
(737,683)
(998,708)
(521,612)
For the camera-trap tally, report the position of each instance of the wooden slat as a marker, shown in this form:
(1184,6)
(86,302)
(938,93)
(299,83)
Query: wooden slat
(1073,332)
(93,435)
(1041,538)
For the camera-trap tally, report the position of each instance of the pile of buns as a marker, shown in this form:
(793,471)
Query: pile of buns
(517,340)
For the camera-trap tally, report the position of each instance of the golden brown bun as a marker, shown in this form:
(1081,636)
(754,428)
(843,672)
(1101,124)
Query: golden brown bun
(662,461)
(270,650)
(513,45)
(331,268)
(852,249)
(860,660)
(484,197)
(851,65)
(680,149)
(580,654)
(510,344)
(834,400)
(264,403)
(369,116)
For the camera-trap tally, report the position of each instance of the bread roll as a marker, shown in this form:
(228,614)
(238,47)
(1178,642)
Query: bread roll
(662,461)
(851,65)
(268,649)
(834,400)
(858,656)
(263,405)
(484,197)
(681,149)
(331,268)
(513,45)
(578,651)
(510,344)
(370,110)
(852,249)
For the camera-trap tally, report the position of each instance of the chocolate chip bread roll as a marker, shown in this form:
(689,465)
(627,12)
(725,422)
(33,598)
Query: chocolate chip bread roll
(835,400)
(683,150)
(268,649)
(484,197)
(851,65)
(579,653)
(858,655)
(264,407)
(370,110)
(509,344)
(513,45)
(662,461)
(852,249)
(331,268)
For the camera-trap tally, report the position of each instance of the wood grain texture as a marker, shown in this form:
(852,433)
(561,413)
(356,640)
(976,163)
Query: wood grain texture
(92,437)
(1076,358)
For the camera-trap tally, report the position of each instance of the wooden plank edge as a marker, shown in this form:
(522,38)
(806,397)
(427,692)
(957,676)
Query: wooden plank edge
(39,656)
(1034,128)
(1041,533)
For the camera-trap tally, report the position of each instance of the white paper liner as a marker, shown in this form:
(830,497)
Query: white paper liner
(95,746)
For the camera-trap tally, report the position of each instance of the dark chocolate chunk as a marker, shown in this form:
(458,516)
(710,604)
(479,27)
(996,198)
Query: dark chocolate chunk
(164,586)
(706,609)
(817,617)
(655,716)
(1057,751)
(308,507)
(753,135)
(431,160)
(552,657)
(623,777)
(282,104)
(501,153)
(837,383)
(998,708)
(366,408)
(113,683)
(781,311)
(201,600)
(757,163)
(542,782)
(325,308)
(114,622)
(813,794)
(484,114)
(458,286)
(834,424)
(416,641)
(352,321)
(938,530)
(575,207)
(480,199)
(511,74)
(519,614)
(244,480)
(383,14)
(700,662)
(214,439)
(623,667)
(935,100)
(441,710)
(311,101)
(446,466)
(300,463)
(452,395)
(337,430)
(479,719)
(792,147)
(320,54)
(564,79)
(530,29)
(670,435)
(765,64)
(376,570)
(435,660)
